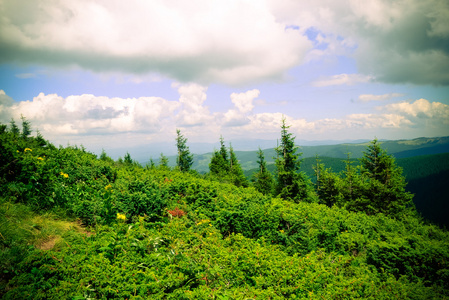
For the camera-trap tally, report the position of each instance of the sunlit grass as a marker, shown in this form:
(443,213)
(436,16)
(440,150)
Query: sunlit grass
(20,225)
(22,231)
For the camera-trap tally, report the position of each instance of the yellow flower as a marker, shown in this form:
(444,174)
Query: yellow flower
(108,187)
(64,174)
(203,222)
(281,231)
(121,216)
(27,149)
(40,158)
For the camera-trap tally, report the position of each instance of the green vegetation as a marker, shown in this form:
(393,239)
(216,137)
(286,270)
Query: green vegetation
(290,183)
(226,169)
(263,179)
(184,159)
(74,226)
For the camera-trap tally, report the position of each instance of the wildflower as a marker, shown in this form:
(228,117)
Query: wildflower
(64,174)
(108,187)
(40,158)
(121,216)
(202,222)
(27,149)
(281,231)
(176,212)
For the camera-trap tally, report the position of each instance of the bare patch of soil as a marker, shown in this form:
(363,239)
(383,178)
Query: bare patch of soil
(48,244)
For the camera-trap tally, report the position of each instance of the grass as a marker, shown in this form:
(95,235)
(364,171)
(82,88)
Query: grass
(22,231)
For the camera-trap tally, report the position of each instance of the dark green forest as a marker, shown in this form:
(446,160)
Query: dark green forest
(427,178)
(77,226)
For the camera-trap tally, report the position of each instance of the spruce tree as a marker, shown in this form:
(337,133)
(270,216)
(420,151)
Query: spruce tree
(219,163)
(151,164)
(290,183)
(386,184)
(13,128)
(184,159)
(40,139)
(328,185)
(264,179)
(235,170)
(128,160)
(223,150)
(163,161)
(26,127)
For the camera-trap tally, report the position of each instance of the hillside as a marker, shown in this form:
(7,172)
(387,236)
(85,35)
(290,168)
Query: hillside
(427,177)
(77,227)
(399,148)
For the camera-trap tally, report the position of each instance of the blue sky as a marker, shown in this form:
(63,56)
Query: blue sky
(110,74)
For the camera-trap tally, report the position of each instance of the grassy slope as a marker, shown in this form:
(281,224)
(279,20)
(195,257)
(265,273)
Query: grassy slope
(186,237)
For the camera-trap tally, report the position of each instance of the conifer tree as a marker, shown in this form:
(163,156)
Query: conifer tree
(26,127)
(290,183)
(13,127)
(40,139)
(151,164)
(104,156)
(163,161)
(386,184)
(219,164)
(264,179)
(328,185)
(223,150)
(235,170)
(127,159)
(184,160)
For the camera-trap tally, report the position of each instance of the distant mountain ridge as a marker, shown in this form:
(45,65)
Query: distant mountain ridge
(399,148)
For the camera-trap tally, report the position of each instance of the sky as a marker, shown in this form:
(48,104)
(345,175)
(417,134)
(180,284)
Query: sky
(116,74)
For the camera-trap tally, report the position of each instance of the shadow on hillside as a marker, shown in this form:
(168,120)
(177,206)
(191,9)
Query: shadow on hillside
(431,198)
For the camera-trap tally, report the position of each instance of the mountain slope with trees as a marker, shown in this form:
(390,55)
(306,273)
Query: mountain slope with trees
(157,232)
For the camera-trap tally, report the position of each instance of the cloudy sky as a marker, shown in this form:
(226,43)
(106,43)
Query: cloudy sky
(110,73)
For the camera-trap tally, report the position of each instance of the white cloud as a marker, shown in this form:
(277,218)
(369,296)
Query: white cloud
(384,97)
(393,41)
(193,113)
(230,42)
(422,108)
(201,40)
(340,79)
(25,75)
(90,115)
(111,122)
(244,101)
(378,121)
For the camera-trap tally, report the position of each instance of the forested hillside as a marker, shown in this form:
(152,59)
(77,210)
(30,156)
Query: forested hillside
(77,226)
(427,178)
(399,148)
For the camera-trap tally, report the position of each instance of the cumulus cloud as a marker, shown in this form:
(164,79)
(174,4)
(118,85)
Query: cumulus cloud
(384,97)
(231,42)
(193,113)
(105,121)
(244,101)
(201,40)
(423,109)
(393,41)
(340,79)
(90,115)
